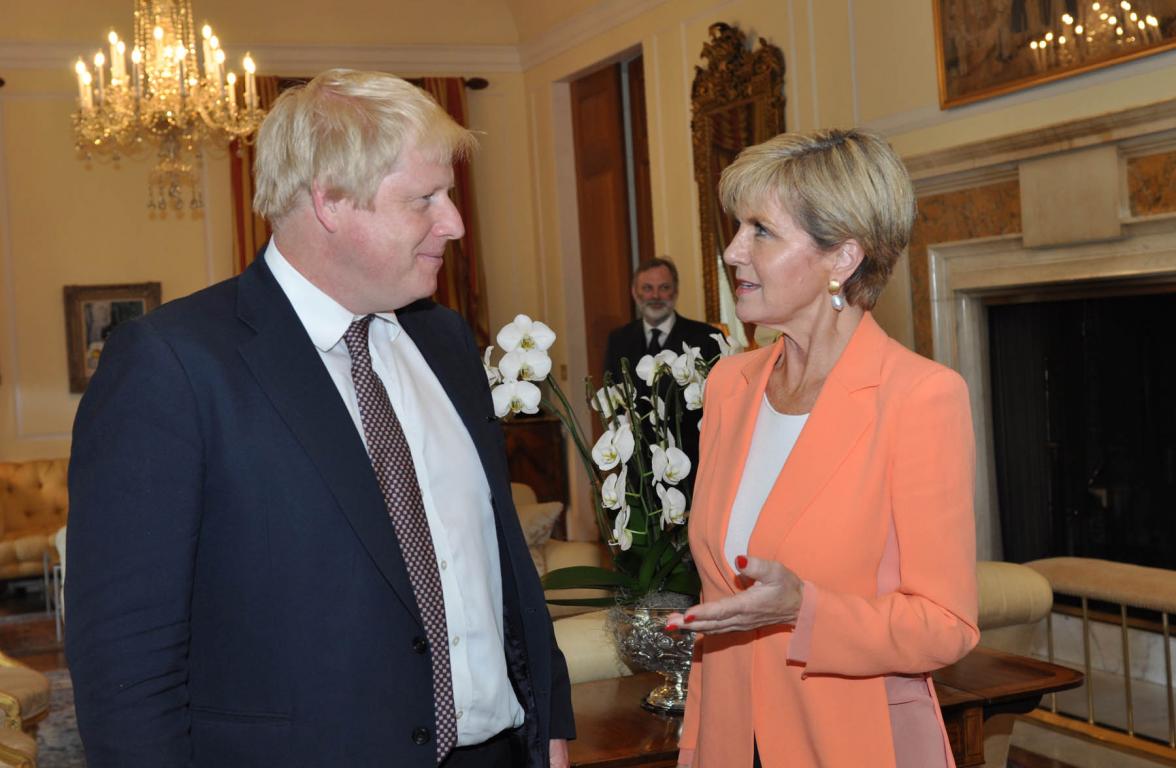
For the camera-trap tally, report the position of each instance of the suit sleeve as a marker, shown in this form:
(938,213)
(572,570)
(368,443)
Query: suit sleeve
(135,482)
(930,621)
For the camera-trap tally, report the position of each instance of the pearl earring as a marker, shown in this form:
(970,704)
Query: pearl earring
(835,297)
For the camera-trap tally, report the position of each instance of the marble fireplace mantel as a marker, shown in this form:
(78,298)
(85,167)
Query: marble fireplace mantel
(969,245)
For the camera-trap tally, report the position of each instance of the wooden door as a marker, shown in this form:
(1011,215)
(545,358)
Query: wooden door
(603,204)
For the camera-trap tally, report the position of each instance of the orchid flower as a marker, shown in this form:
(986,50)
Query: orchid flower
(614,447)
(727,344)
(525,333)
(673,509)
(685,368)
(525,365)
(671,464)
(515,397)
(606,401)
(621,536)
(693,395)
(492,374)
(612,493)
(649,366)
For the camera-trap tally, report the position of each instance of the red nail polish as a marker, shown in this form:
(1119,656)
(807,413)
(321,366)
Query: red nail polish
(741,562)
(671,627)
(689,618)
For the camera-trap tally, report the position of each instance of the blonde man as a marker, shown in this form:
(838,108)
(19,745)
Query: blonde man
(292,540)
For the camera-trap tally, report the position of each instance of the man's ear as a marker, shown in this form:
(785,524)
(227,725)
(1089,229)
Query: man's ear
(846,260)
(326,208)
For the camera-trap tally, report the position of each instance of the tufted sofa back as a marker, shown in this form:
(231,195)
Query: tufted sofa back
(34,503)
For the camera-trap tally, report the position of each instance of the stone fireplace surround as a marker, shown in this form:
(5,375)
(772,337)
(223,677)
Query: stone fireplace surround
(1096,213)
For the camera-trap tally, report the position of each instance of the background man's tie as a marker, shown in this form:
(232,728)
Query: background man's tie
(654,341)
(392,461)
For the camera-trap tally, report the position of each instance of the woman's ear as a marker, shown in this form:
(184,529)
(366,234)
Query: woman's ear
(848,257)
(326,208)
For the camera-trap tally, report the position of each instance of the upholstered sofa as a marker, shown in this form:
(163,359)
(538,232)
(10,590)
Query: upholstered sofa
(34,503)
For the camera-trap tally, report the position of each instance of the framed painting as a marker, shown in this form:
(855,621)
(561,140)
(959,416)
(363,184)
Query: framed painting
(987,48)
(91,313)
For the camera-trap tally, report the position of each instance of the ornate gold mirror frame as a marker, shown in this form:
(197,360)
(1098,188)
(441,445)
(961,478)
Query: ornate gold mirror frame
(737,100)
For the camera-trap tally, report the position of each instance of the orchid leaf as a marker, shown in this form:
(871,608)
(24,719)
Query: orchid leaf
(587,576)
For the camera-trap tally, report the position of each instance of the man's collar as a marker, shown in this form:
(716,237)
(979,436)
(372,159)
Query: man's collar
(325,319)
(665,326)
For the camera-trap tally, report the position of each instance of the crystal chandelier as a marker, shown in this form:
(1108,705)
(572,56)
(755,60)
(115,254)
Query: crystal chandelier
(1098,30)
(168,96)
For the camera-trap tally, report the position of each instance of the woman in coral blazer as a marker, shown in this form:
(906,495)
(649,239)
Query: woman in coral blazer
(832,523)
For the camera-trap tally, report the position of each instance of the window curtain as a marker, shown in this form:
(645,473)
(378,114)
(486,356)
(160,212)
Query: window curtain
(461,280)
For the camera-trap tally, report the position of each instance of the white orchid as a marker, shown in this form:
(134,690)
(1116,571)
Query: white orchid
(621,536)
(525,365)
(492,374)
(671,464)
(685,368)
(515,397)
(693,395)
(612,493)
(606,400)
(614,447)
(650,366)
(525,333)
(727,344)
(673,511)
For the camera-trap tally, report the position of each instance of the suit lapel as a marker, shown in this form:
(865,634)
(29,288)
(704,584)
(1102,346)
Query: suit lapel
(843,412)
(291,373)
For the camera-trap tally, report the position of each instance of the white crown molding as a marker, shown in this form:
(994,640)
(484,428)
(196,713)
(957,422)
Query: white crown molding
(1151,125)
(305,59)
(566,35)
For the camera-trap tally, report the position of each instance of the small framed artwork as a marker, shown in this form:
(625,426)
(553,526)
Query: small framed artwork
(91,313)
(987,48)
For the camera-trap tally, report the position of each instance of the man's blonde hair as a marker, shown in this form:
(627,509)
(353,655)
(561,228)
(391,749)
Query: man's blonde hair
(344,131)
(836,185)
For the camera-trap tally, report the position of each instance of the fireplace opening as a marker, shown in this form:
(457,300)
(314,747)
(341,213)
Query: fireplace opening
(1084,425)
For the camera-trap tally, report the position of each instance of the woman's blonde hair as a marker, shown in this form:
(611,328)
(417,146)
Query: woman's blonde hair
(836,185)
(345,130)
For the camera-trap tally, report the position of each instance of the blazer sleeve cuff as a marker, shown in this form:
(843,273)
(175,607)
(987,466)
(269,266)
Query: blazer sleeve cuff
(802,633)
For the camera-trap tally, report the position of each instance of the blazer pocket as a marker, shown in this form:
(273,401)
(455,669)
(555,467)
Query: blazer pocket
(212,714)
(241,739)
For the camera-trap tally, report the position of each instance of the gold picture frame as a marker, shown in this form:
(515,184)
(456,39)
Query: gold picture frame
(91,313)
(987,48)
(736,100)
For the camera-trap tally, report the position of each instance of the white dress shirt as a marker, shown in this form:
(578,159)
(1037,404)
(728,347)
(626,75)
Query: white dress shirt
(665,326)
(454,489)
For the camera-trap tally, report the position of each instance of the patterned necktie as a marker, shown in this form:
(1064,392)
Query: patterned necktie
(654,341)
(392,461)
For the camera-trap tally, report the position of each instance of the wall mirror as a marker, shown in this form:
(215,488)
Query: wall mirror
(737,100)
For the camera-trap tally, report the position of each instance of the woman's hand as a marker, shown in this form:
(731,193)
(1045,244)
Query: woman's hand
(773,597)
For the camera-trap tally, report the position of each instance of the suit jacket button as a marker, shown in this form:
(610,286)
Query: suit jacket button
(420,644)
(420,735)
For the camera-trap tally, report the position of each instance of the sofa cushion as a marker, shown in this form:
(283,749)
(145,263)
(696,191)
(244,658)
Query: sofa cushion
(588,647)
(537,521)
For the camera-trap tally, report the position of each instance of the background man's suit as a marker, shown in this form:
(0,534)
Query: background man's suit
(238,596)
(628,341)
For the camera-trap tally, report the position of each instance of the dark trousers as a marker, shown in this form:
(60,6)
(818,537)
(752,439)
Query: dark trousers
(502,751)
(755,760)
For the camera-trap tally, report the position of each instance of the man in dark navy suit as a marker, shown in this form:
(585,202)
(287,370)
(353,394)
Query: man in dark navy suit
(658,327)
(292,541)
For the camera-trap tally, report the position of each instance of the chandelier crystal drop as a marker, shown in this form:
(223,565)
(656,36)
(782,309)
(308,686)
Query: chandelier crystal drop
(172,90)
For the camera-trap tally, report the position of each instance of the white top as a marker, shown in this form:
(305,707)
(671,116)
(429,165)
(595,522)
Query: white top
(454,489)
(771,443)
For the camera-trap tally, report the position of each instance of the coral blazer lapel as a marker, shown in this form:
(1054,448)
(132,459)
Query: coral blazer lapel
(841,416)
